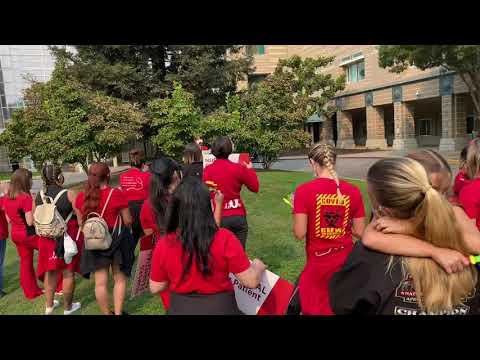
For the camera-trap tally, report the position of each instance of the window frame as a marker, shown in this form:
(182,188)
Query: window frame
(354,65)
(428,121)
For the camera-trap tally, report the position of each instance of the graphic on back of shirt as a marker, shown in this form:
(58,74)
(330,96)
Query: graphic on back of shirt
(131,183)
(405,292)
(331,217)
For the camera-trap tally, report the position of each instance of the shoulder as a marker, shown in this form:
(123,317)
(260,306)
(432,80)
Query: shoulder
(305,187)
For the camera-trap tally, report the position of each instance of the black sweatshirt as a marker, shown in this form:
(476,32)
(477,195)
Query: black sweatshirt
(364,287)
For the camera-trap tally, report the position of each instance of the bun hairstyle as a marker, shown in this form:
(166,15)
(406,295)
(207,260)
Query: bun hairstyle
(98,173)
(325,156)
(52,175)
(163,171)
(402,185)
(137,158)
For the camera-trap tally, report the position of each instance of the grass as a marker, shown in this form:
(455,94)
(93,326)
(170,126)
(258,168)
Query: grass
(270,239)
(7,175)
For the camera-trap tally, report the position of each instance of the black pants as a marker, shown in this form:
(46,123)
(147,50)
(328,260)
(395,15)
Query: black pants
(137,231)
(238,225)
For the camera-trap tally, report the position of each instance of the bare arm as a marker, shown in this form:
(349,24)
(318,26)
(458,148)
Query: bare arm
(148,232)
(252,276)
(126,217)
(300,222)
(219,207)
(29,217)
(469,229)
(156,287)
(358,227)
(407,245)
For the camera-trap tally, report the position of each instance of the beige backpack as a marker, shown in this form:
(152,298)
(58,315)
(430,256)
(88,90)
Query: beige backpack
(95,230)
(46,218)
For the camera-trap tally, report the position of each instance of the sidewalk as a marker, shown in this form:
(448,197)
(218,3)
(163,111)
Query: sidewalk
(451,157)
(72,178)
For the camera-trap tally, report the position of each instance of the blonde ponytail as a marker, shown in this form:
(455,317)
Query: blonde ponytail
(402,185)
(324,155)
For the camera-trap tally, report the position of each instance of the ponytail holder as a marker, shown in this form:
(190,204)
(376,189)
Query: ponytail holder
(426,189)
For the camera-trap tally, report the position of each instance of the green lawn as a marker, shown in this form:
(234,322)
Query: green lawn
(270,239)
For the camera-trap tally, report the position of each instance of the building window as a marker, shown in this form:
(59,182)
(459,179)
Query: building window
(256,50)
(355,72)
(425,127)
(470,124)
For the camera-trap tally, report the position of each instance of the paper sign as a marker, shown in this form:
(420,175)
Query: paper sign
(142,274)
(271,297)
(239,158)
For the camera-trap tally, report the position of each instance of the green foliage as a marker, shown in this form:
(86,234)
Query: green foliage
(64,122)
(209,72)
(464,59)
(176,120)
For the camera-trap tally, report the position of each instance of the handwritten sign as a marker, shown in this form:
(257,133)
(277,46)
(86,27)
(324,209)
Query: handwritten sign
(208,158)
(271,297)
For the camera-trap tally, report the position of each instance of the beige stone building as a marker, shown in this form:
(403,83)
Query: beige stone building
(380,109)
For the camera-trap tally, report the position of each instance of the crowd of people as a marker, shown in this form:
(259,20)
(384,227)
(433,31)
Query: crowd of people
(410,257)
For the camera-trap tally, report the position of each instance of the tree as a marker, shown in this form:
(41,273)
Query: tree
(176,120)
(209,72)
(64,122)
(275,111)
(225,121)
(463,59)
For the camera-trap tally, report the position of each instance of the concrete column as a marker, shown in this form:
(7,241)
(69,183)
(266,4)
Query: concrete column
(326,132)
(345,130)
(454,126)
(404,120)
(375,128)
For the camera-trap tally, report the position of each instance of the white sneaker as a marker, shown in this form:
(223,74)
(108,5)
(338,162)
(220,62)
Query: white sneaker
(49,310)
(75,306)
(59,293)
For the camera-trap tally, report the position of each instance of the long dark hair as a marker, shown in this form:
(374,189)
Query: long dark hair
(190,213)
(163,171)
(98,173)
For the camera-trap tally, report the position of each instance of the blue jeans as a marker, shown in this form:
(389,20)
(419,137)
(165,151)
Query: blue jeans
(3,248)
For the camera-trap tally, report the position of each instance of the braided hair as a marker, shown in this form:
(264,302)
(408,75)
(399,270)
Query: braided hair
(51,175)
(325,156)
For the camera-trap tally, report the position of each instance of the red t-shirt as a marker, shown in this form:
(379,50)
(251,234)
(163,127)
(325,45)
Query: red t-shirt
(226,254)
(14,208)
(470,200)
(117,202)
(229,178)
(329,223)
(135,184)
(460,181)
(3,222)
(147,217)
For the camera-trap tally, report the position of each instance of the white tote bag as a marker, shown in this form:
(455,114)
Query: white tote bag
(70,248)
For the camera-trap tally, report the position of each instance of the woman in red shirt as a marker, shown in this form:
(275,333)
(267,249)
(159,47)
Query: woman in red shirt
(3,242)
(229,178)
(18,206)
(166,176)
(120,256)
(135,183)
(461,179)
(50,254)
(327,212)
(195,258)
(469,196)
